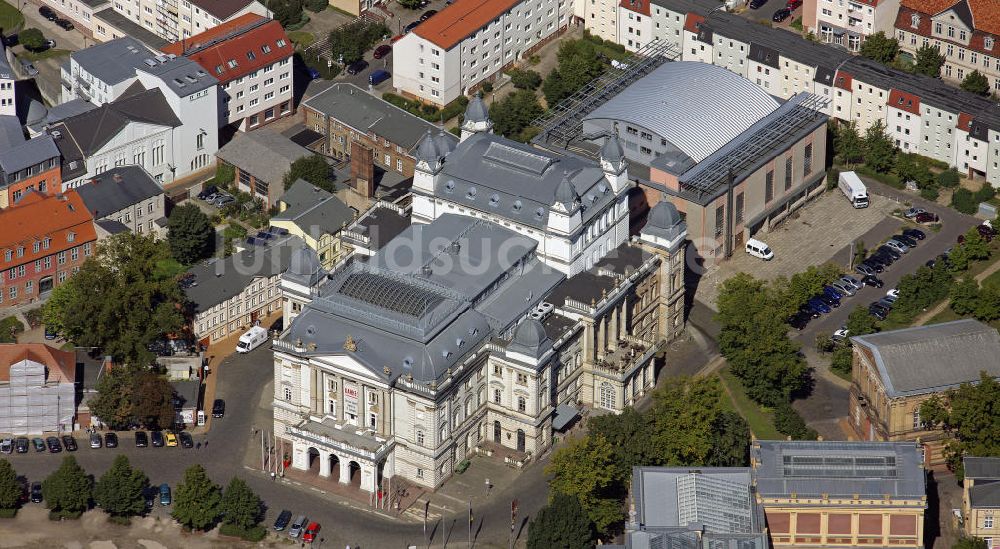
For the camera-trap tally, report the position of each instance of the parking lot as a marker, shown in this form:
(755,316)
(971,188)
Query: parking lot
(821,231)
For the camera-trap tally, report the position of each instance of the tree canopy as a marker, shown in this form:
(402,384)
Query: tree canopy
(10,487)
(348,43)
(32,39)
(118,301)
(121,490)
(585,470)
(562,524)
(928,61)
(848,144)
(190,234)
(68,489)
(880,47)
(241,507)
(197,500)
(313,169)
(977,83)
(127,396)
(525,79)
(514,113)
(578,63)
(968,414)
(879,148)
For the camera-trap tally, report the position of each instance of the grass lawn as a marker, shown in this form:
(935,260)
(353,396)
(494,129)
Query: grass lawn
(169,268)
(761,424)
(301,39)
(11,20)
(46,54)
(992,281)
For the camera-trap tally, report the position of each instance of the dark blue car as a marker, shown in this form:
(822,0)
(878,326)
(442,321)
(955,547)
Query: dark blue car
(817,305)
(832,292)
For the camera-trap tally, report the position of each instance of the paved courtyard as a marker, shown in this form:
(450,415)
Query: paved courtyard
(812,235)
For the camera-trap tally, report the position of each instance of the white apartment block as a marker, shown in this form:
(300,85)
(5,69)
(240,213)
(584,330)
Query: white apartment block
(469,42)
(847,22)
(7,79)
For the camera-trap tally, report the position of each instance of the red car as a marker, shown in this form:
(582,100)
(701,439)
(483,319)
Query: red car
(792,4)
(926,217)
(382,51)
(310,534)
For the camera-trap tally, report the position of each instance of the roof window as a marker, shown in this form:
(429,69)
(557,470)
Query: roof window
(265,49)
(251,56)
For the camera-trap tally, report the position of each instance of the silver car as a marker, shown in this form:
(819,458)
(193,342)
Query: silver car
(898,246)
(844,287)
(298,525)
(848,279)
(7,445)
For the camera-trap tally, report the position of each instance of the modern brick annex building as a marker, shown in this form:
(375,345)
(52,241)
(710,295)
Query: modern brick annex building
(45,239)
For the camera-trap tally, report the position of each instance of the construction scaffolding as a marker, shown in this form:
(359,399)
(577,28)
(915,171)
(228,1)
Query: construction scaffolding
(30,405)
(563,123)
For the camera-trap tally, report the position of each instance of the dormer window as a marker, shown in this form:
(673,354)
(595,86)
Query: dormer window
(71,237)
(914,20)
(449,186)
(517,206)
(472,193)
(988,43)
(539,213)
(495,200)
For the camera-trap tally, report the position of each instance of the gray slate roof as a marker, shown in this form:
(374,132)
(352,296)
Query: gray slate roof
(11,133)
(502,177)
(114,61)
(6,73)
(302,193)
(264,153)
(312,209)
(981,467)
(28,153)
(985,496)
(182,75)
(813,468)
(932,358)
(111,226)
(219,280)
(93,129)
(60,112)
(366,113)
(130,28)
(116,189)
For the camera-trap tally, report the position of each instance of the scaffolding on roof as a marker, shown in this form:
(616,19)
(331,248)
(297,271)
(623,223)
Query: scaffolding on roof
(564,122)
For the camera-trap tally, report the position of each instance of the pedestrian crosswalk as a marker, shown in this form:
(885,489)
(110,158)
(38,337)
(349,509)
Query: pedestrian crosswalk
(434,511)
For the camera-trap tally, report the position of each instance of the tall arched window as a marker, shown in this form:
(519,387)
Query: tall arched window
(607,396)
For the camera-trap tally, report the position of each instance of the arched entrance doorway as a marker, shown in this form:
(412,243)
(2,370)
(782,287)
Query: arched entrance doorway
(334,468)
(497,431)
(314,461)
(355,471)
(520,440)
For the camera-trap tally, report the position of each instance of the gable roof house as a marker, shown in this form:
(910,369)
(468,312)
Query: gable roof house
(125,198)
(261,159)
(316,217)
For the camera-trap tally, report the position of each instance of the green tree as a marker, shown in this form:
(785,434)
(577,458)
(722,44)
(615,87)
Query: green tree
(525,79)
(628,435)
(966,542)
(806,284)
(977,83)
(512,114)
(197,500)
(909,167)
(241,507)
(880,47)
(121,490)
(117,301)
(928,61)
(10,487)
(584,469)
(859,322)
(224,173)
(848,143)
(32,39)
(841,360)
(730,441)
(313,169)
(988,307)
(153,400)
(68,489)
(190,234)
(949,178)
(113,403)
(684,421)
(316,6)
(562,524)
(554,88)
(410,4)
(965,296)
(348,43)
(968,414)
(788,422)
(879,149)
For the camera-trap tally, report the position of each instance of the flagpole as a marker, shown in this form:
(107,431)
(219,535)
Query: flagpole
(470,524)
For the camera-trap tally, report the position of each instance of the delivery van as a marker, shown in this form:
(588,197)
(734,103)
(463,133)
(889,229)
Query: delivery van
(255,337)
(759,249)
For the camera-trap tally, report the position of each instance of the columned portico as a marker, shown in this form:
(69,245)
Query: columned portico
(356,462)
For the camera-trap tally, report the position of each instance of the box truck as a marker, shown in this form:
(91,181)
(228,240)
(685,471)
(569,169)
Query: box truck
(855,191)
(255,337)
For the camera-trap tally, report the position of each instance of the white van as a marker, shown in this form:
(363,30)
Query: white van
(759,249)
(255,337)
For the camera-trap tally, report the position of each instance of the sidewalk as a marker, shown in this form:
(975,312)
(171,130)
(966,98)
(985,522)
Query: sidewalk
(926,316)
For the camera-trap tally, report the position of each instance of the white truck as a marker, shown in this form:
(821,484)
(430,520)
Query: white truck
(855,191)
(253,338)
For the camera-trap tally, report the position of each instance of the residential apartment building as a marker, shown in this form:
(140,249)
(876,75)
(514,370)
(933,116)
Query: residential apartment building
(261,159)
(37,389)
(981,499)
(231,294)
(252,58)
(8,106)
(455,339)
(26,164)
(315,216)
(965,32)
(471,41)
(848,23)
(345,114)
(45,240)
(894,372)
(126,198)
(841,494)
(959,128)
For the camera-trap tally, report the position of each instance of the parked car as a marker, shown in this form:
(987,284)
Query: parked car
(21,445)
(378,76)
(878,311)
(410,27)
(913,212)
(357,66)
(7,446)
(186,440)
(793,4)
(893,293)
(219,408)
(171,440)
(150,493)
(141,440)
(910,242)
(311,532)
(49,43)
(382,51)
(313,73)
(829,301)
(927,217)
(64,24)
(47,13)
(10,40)
(207,192)
(889,298)
(54,445)
(844,287)
(817,305)
(36,492)
(156,438)
(427,15)
(297,526)
(871,280)
(874,264)
(895,254)
(898,246)
(38,443)
(986,231)
(885,257)
(864,270)
(69,443)
(833,292)
(886,302)
(110,440)
(841,334)
(781,15)
(284,517)
(165,494)
(799,320)
(855,283)
(755,4)
(915,233)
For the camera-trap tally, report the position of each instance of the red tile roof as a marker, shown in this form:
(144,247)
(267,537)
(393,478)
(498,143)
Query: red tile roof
(843,81)
(904,101)
(692,21)
(61,365)
(985,14)
(638,6)
(460,20)
(964,122)
(37,217)
(214,48)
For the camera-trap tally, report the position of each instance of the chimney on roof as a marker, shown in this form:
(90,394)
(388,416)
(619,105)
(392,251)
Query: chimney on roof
(118,177)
